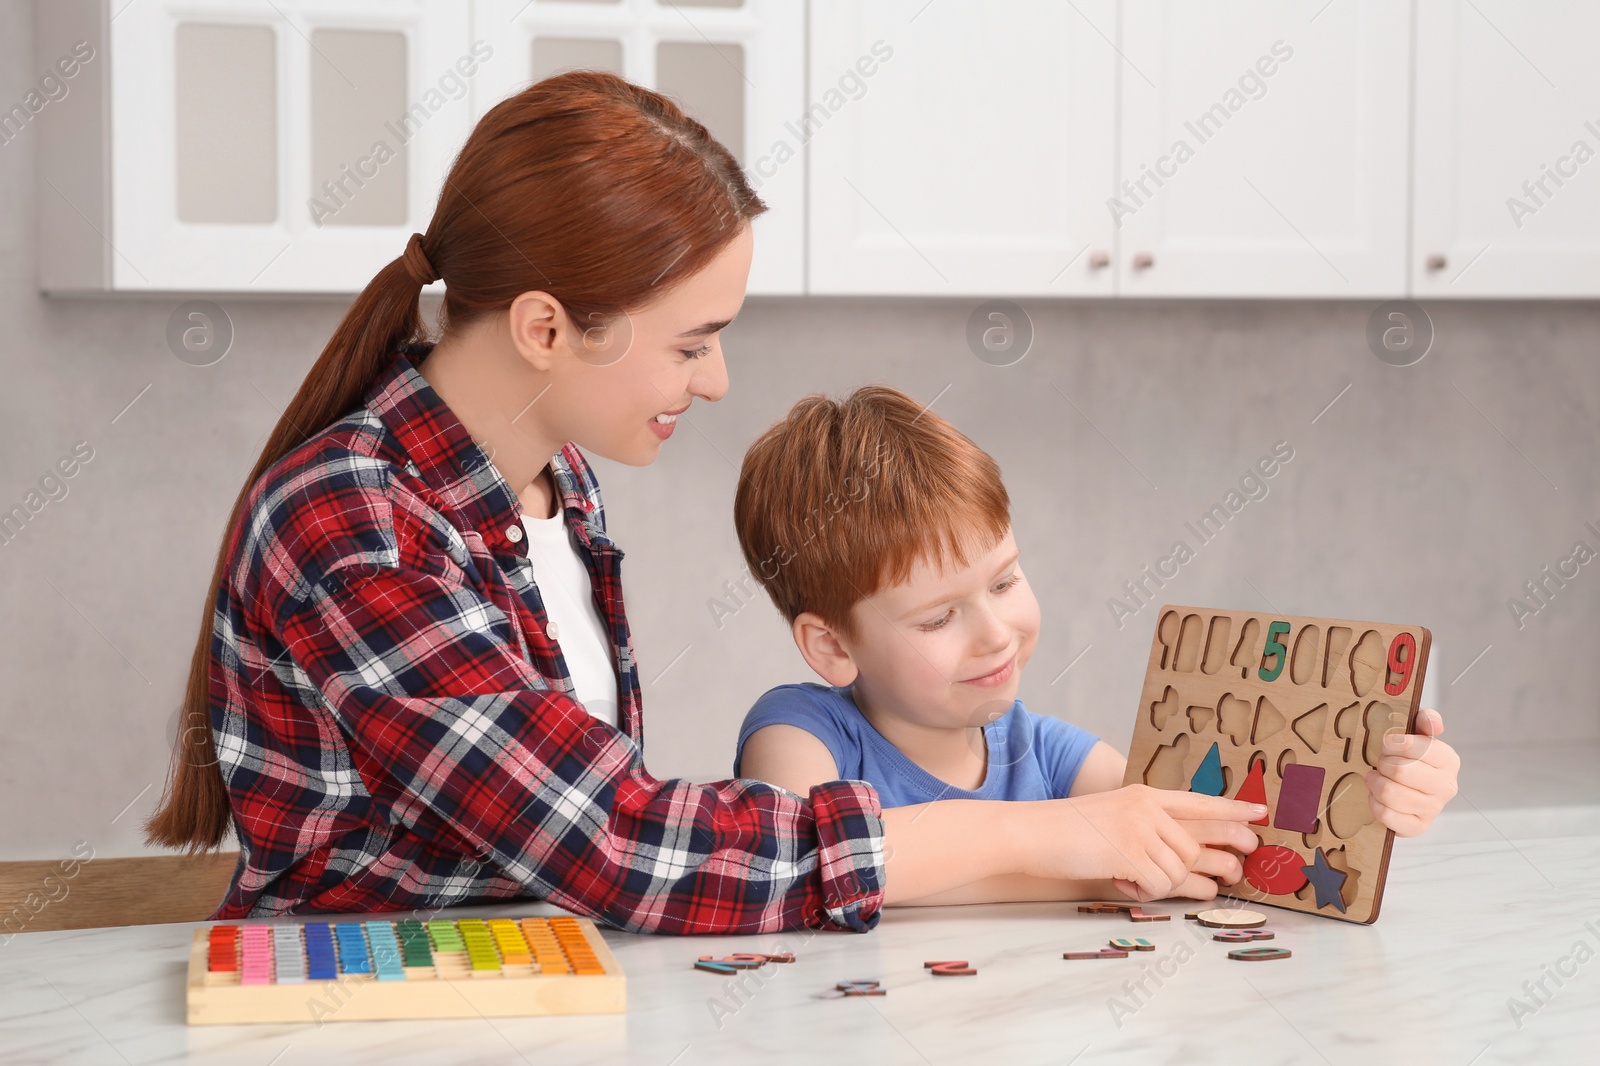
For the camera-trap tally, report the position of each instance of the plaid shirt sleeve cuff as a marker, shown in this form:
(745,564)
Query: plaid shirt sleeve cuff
(849,821)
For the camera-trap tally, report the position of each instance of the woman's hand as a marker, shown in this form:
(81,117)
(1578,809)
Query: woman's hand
(1415,776)
(1149,842)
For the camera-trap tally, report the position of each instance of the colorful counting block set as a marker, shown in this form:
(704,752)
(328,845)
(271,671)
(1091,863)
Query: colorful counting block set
(377,969)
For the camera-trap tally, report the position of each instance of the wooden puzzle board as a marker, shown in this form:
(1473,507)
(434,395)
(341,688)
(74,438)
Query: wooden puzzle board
(369,970)
(1310,700)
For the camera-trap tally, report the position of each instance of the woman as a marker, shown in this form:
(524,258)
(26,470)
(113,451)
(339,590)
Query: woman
(415,685)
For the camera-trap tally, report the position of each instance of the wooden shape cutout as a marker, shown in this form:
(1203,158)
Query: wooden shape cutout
(1162,710)
(1348,809)
(1274,869)
(1254,789)
(1167,637)
(1269,720)
(1234,718)
(1347,727)
(1135,914)
(1247,653)
(1338,643)
(1243,936)
(1303,659)
(1299,798)
(1132,943)
(1286,759)
(1165,769)
(1189,634)
(1103,953)
(1207,779)
(1312,726)
(1216,653)
(1366,663)
(1380,718)
(1312,717)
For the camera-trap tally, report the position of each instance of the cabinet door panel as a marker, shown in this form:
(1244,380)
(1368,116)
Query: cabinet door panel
(735,65)
(359,147)
(961,149)
(1263,149)
(1507,199)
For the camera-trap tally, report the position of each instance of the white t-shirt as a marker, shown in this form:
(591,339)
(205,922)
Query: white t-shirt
(575,621)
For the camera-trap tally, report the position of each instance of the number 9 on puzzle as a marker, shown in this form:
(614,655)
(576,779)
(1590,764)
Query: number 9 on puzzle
(1288,712)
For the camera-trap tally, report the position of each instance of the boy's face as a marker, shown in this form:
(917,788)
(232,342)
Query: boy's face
(946,648)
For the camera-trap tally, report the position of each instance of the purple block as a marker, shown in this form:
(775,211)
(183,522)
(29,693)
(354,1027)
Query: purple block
(1300,798)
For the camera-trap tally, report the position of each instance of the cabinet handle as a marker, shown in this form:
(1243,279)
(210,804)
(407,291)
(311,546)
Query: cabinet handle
(1436,262)
(1143,261)
(1099,260)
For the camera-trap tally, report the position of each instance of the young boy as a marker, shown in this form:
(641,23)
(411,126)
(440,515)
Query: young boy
(883,535)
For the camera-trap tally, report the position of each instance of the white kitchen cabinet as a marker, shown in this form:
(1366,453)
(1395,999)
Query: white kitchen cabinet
(959,148)
(1263,149)
(1507,194)
(735,65)
(247,146)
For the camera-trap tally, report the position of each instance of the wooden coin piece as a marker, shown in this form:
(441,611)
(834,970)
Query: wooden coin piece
(1103,953)
(1231,918)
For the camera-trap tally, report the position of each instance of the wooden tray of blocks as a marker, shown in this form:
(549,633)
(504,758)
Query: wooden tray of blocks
(1289,712)
(360,971)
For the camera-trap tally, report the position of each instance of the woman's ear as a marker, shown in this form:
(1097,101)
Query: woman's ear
(823,651)
(538,324)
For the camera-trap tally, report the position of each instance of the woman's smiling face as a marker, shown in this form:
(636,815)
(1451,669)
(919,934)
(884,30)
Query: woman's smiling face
(617,388)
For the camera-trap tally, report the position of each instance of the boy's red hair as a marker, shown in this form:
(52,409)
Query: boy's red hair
(841,499)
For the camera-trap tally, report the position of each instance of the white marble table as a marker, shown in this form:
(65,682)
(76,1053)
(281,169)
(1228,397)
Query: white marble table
(1465,923)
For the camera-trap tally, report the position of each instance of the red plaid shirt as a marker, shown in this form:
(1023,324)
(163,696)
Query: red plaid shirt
(397,731)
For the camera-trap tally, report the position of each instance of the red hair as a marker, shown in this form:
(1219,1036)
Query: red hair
(842,498)
(584,186)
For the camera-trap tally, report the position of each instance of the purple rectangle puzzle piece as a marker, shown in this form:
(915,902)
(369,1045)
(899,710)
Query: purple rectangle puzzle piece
(1300,798)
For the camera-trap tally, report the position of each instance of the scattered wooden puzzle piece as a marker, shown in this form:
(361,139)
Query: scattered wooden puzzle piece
(1135,914)
(861,988)
(1243,936)
(1258,954)
(1190,916)
(950,968)
(1103,953)
(1231,918)
(1133,943)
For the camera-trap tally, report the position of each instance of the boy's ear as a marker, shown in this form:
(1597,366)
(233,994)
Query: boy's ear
(823,651)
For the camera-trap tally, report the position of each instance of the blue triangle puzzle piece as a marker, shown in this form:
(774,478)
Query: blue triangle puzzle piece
(1207,779)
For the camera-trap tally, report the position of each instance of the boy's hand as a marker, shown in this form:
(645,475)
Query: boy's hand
(1415,776)
(1150,842)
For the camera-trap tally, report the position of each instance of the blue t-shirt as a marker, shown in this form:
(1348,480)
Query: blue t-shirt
(1031,756)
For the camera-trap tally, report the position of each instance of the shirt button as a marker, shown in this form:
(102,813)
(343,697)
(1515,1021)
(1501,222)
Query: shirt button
(514,534)
(552,631)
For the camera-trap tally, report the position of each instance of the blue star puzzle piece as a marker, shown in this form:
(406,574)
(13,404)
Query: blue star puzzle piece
(1207,779)
(1327,881)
